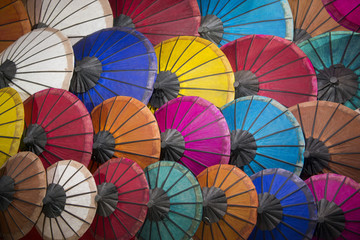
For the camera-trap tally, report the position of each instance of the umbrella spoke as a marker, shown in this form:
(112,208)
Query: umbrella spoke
(204,126)
(137,141)
(294,229)
(27,178)
(182,191)
(201,151)
(277,132)
(61,231)
(7,225)
(177,225)
(128,119)
(234,183)
(27,218)
(77,184)
(240,193)
(68,148)
(122,174)
(70,135)
(290,92)
(185,216)
(17,225)
(232,228)
(80,194)
(126,213)
(278,160)
(136,154)
(66,224)
(226,176)
(77,217)
(9,168)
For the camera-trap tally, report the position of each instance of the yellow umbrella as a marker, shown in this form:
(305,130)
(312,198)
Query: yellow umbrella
(192,66)
(11,123)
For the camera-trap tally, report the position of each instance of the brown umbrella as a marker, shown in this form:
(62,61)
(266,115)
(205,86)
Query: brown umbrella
(332,137)
(22,189)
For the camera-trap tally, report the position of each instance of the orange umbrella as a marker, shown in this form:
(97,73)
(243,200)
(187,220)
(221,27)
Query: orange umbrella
(230,203)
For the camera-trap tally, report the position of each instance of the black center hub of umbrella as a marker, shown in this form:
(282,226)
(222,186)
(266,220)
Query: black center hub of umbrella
(337,84)
(300,35)
(54,200)
(211,28)
(107,199)
(166,87)
(316,156)
(87,72)
(246,84)
(243,148)
(7,190)
(158,205)
(214,204)
(123,21)
(172,145)
(331,220)
(35,139)
(269,212)
(7,73)
(103,147)
(39,25)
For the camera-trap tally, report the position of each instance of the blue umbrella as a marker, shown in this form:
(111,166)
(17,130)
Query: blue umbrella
(223,21)
(264,134)
(336,60)
(175,204)
(113,62)
(287,207)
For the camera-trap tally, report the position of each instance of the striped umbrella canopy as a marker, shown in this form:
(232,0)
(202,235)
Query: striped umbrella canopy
(287,208)
(40,59)
(14,22)
(273,67)
(11,123)
(75,18)
(264,134)
(336,60)
(230,203)
(192,66)
(223,21)
(158,20)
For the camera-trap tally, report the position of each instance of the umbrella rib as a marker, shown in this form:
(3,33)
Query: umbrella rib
(317,54)
(128,167)
(68,148)
(135,190)
(77,184)
(112,227)
(183,117)
(172,49)
(80,194)
(274,133)
(241,206)
(138,175)
(198,140)
(306,13)
(10,108)
(64,124)
(7,225)
(258,56)
(299,217)
(169,21)
(297,190)
(76,217)
(157,176)
(342,127)
(71,135)
(258,116)
(129,118)
(279,160)
(176,113)
(220,11)
(197,150)
(346,47)
(47,161)
(337,191)
(30,203)
(234,183)
(241,193)
(136,154)
(122,49)
(6,5)
(52,107)
(328,121)
(102,44)
(287,78)
(62,112)
(137,141)
(77,170)
(294,229)
(205,76)
(197,116)
(15,222)
(296,93)
(117,218)
(184,190)
(133,203)
(178,180)
(259,146)
(35,83)
(315,113)
(232,228)
(204,126)
(177,225)
(82,206)
(284,65)
(185,49)
(57,223)
(127,58)
(268,121)
(117,116)
(167,176)
(217,174)
(227,175)
(272,180)
(67,225)
(54,17)
(204,63)
(22,213)
(29,189)
(52,58)
(24,167)
(128,214)
(247,111)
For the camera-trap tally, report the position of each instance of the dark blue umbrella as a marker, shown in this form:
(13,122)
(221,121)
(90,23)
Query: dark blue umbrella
(113,62)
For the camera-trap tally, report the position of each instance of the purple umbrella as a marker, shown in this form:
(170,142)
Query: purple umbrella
(194,133)
(338,201)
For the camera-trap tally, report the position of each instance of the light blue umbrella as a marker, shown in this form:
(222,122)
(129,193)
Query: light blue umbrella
(223,21)
(264,134)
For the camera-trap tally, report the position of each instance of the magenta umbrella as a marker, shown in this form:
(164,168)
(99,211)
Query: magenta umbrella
(338,201)
(194,133)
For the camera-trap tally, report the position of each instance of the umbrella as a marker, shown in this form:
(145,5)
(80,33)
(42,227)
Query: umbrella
(223,21)
(69,203)
(193,133)
(273,67)
(311,19)
(175,204)
(338,203)
(332,140)
(11,123)
(192,66)
(22,189)
(58,127)
(123,194)
(264,134)
(158,20)
(38,60)
(112,62)
(345,12)
(230,203)
(286,209)
(124,127)
(335,57)
(75,18)
(14,22)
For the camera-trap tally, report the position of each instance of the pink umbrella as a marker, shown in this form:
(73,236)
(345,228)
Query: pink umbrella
(338,201)
(194,133)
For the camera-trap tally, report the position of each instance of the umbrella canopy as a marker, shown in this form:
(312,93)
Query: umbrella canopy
(22,189)
(311,19)
(69,203)
(338,203)
(123,194)
(332,139)
(192,66)
(38,60)
(230,203)
(223,21)
(175,204)
(11,123)
(75,18)
(273,67)
(193,133)
(14,22)
(158,20)
(345,12)
(335,57)
(124,127)
(286,209)
(58,127)
(112,62)
(264,134)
